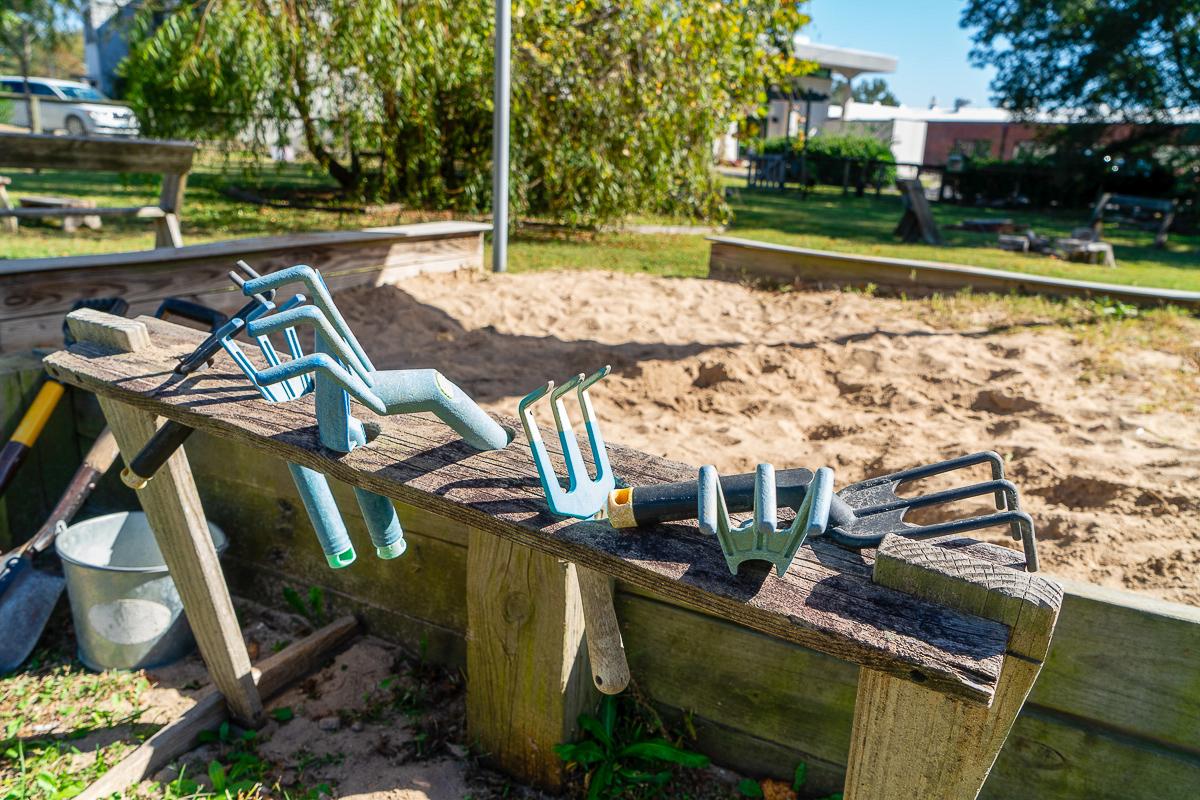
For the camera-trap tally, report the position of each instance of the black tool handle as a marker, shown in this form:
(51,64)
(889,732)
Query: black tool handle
(149,460)
(178,307)
(672,502)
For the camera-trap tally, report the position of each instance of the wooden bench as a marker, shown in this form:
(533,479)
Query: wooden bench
(59,206)
(173,160)
(1144,212)
(948,639)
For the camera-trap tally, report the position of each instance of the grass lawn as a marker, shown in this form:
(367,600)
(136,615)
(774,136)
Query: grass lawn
(825,220)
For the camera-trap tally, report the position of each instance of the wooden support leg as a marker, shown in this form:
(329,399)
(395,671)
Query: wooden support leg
(177,518)
(527,676)
(9,224)
(910,742)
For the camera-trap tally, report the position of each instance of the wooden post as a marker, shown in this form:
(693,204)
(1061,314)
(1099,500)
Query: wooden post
(177,518)
(527,676)
(170,200)
(911,742)
(7,224)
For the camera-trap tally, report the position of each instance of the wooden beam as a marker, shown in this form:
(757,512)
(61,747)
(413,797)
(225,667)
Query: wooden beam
(910,741)
(732,258)
(173,509)
(527,679)
(826,601)
(141,212)
(182,734)
(103,154)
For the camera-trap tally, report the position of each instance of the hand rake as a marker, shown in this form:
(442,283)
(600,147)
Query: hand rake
(584,496)
(860,515)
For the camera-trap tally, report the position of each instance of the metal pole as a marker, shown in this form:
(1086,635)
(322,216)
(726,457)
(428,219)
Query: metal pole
(500,102)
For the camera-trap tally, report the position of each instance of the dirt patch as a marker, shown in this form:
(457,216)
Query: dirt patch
(710,372)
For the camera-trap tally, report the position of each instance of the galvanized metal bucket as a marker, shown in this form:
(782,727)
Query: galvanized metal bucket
(127,611)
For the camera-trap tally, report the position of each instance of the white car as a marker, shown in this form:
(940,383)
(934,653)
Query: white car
(73,107)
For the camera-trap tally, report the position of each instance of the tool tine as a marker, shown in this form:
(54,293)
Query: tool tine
(595,437)
(576,468)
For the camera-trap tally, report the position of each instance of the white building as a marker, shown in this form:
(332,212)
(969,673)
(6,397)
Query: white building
(786,111)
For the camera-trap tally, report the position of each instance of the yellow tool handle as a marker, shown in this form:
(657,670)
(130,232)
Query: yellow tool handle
(39,413)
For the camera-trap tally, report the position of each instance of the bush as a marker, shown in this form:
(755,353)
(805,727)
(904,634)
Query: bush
(1071,180)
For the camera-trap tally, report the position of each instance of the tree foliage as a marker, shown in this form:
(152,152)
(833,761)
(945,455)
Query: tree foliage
(615,104)
(1090,59)
(872,90)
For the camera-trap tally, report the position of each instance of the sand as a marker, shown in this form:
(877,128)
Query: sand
(1106,457)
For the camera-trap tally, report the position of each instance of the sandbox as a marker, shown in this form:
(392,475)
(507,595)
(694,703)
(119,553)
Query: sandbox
(712,372)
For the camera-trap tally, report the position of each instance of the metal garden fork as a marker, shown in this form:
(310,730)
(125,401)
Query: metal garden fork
(583,498)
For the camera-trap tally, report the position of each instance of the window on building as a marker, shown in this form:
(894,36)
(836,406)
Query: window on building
(972,148)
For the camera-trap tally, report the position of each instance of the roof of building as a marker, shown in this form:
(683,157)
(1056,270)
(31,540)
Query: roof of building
(844,61)
(877,112)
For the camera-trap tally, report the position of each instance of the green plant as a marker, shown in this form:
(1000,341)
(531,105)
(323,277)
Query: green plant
(312,607)
(614,108)
(621,756)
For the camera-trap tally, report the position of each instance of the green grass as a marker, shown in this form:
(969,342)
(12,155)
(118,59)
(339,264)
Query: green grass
(825,220)
(829,221)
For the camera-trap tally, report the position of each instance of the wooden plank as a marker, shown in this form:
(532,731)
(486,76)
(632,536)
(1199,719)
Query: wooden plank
(199,270)
(173,509)
(182,734)
(1152,690)
(109,154)
(141,212)
(745,259)
(526,665)
(909,741)
(233,249)
(826,601)
(1066,760)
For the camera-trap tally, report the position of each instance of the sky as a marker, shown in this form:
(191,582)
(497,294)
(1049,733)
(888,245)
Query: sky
(923,35)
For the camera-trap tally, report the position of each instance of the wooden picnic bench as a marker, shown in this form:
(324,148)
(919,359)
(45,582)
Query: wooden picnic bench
(948,636)
(1144,212)
(172,159)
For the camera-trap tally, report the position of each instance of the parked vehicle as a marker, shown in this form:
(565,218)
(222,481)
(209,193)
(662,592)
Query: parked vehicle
(70,106)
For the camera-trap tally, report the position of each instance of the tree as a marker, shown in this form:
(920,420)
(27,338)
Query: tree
(874,90)
(615,104)
(1090,60)
(27,26)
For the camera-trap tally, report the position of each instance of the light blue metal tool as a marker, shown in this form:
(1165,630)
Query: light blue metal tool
(338,370)
(758,539)
(585,496)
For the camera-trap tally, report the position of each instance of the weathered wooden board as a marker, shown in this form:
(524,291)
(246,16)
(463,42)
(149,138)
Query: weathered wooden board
(826,601)
(105,154)
(744,259)
(35,294)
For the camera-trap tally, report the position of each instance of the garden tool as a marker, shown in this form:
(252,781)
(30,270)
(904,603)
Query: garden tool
(13,454)
(582,499)
(28,595)
(584,496)
(171,436)
(860,515)
(337,371)
(759,538)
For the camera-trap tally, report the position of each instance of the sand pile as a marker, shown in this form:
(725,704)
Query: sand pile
(708,372)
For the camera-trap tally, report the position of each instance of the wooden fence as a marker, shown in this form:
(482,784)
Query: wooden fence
(1115,714)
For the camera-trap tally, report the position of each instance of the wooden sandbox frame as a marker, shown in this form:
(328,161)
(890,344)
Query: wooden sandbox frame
(949,637)
(1097,725)
(36,293)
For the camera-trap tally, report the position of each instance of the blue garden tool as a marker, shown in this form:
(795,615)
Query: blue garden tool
(861,514)
(759,538)
(338,370)
(584,497)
